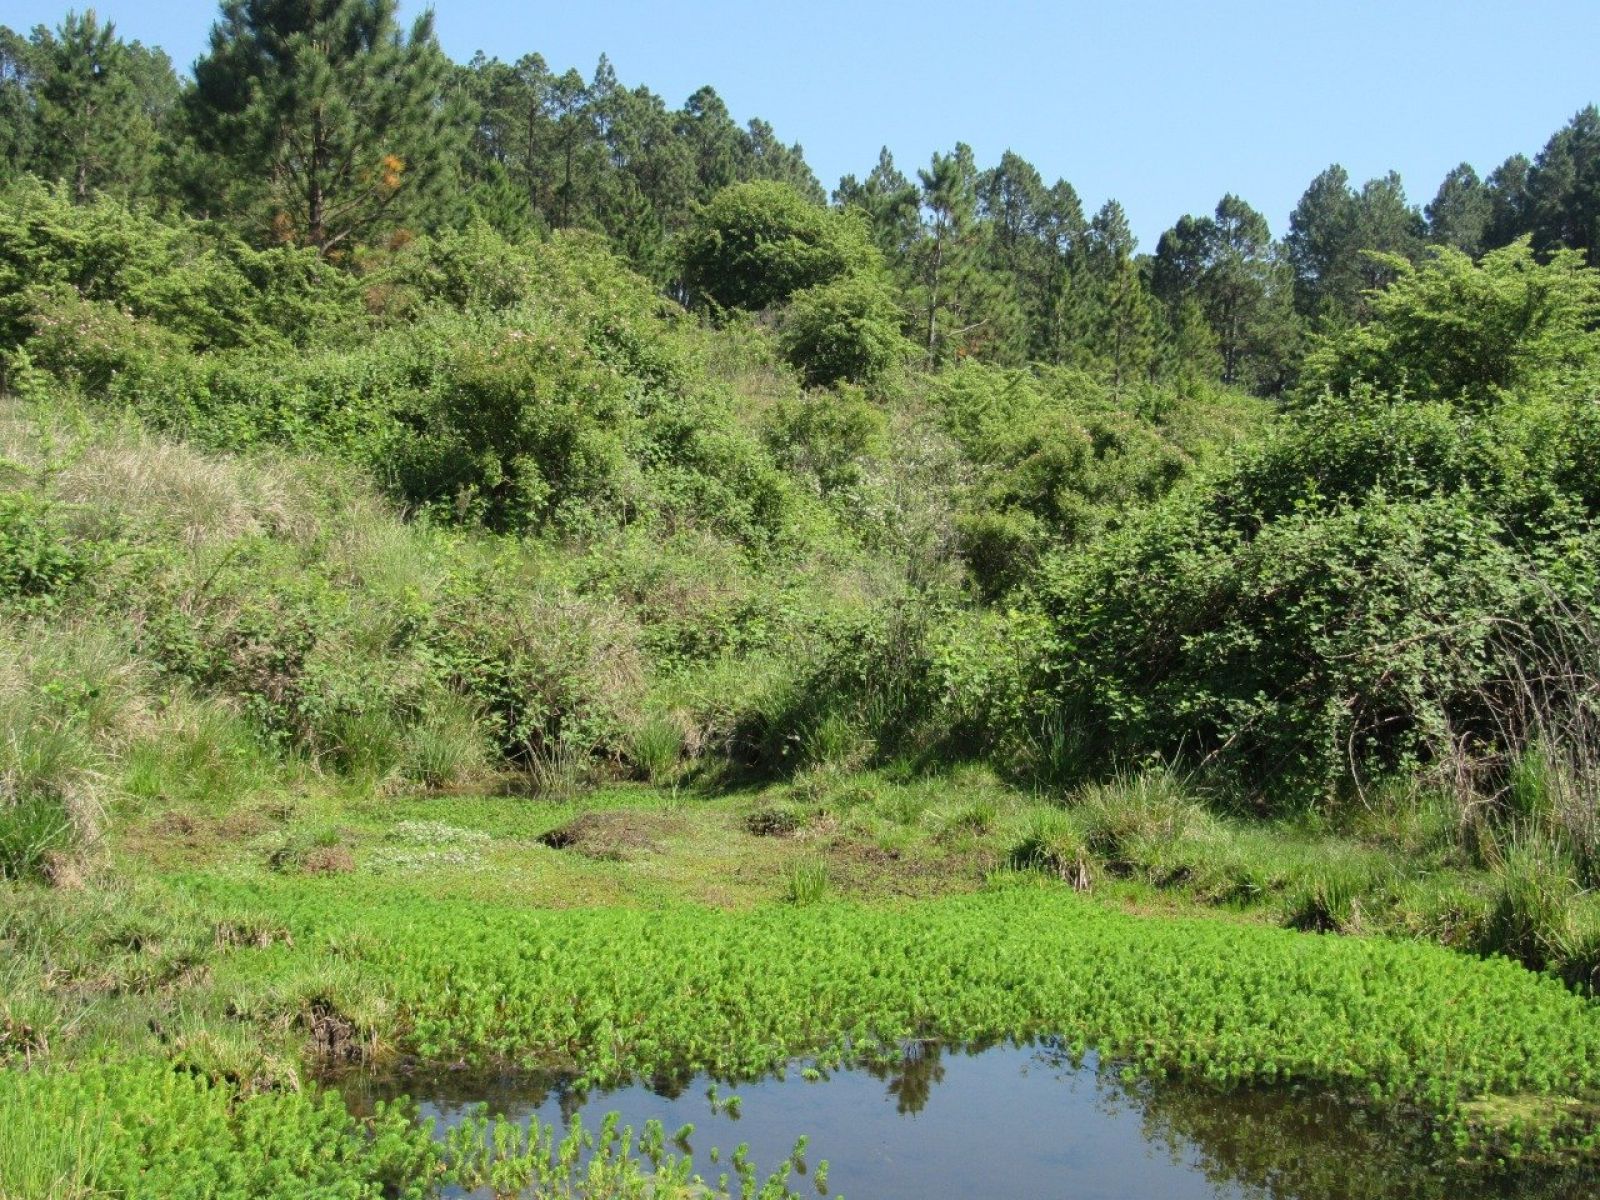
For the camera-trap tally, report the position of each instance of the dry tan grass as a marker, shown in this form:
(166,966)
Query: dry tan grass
(120,475)
(71,698)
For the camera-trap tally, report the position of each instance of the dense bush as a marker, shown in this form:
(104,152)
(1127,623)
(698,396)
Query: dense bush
(38,557)
(529,387)
(1470,334)
(1307,603)
(206,287)
(757,244)
(1333,606)
(1327,647)
(846,329)
(552,672)
(1057,459)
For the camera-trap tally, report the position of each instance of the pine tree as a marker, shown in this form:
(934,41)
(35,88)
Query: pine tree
(1563,188)
(714,143)
(17,125)
(1331,234)
(645,200)
(963,308)
(1035,233)
(889,201)
(85,108)
(766,157)
(1508,203)
(336,124)
(1063,234)
(1461,211)
(1225,265)
(1124,336)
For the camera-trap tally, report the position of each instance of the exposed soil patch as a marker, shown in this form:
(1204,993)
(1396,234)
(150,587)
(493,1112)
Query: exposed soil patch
(775,821)
(19,1040)
(617,836)
(327,860)
(186,829)
(865,868)
(64,872)
(334,1037)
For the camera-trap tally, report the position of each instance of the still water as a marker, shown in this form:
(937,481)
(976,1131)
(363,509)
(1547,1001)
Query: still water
(1015,1121)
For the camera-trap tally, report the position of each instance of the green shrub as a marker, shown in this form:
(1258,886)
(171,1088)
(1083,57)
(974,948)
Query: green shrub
(32,829)
(834,740)
(1057,458)
(1327,646)
(200,752)
(1334,898)
(829,437)
(91,345)
(845,330)
(209,289)
(557,675)
(756,244)
(522,428)
(1146,822)
(1469,333)
(38,555)
(69,700)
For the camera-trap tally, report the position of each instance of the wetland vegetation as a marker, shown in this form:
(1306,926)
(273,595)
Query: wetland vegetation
(464,625)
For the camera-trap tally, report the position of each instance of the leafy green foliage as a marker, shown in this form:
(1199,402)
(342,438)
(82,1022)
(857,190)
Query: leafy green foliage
(187,284)
(38,555)
(1324,647)
(846,330)
(1327,609)
(1058,459)
(756,244)
(144,1130)
(1508,327)
(197,1138)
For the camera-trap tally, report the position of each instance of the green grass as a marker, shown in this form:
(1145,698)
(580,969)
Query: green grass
(807,883)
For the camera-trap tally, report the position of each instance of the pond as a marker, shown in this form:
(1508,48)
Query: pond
(1014,1121)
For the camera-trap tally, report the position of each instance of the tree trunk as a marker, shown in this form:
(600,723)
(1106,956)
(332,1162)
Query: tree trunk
(316,234)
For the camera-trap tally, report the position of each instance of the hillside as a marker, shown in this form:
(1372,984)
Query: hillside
(457,645)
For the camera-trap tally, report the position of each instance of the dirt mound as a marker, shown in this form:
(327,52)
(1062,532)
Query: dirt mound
(775,821)
(616,836)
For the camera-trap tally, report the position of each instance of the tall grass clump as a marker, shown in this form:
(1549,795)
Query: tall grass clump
(1545,699)
(1147,821)
(197,751)
(1535,887)
(69,700)
(806,883)
(446,745)
(656,747)
(1052,844)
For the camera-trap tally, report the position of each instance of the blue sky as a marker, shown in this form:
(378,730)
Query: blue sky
(1164,106)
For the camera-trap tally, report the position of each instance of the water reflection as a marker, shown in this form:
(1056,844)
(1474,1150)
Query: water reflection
(911,1079)
(1022,1121)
